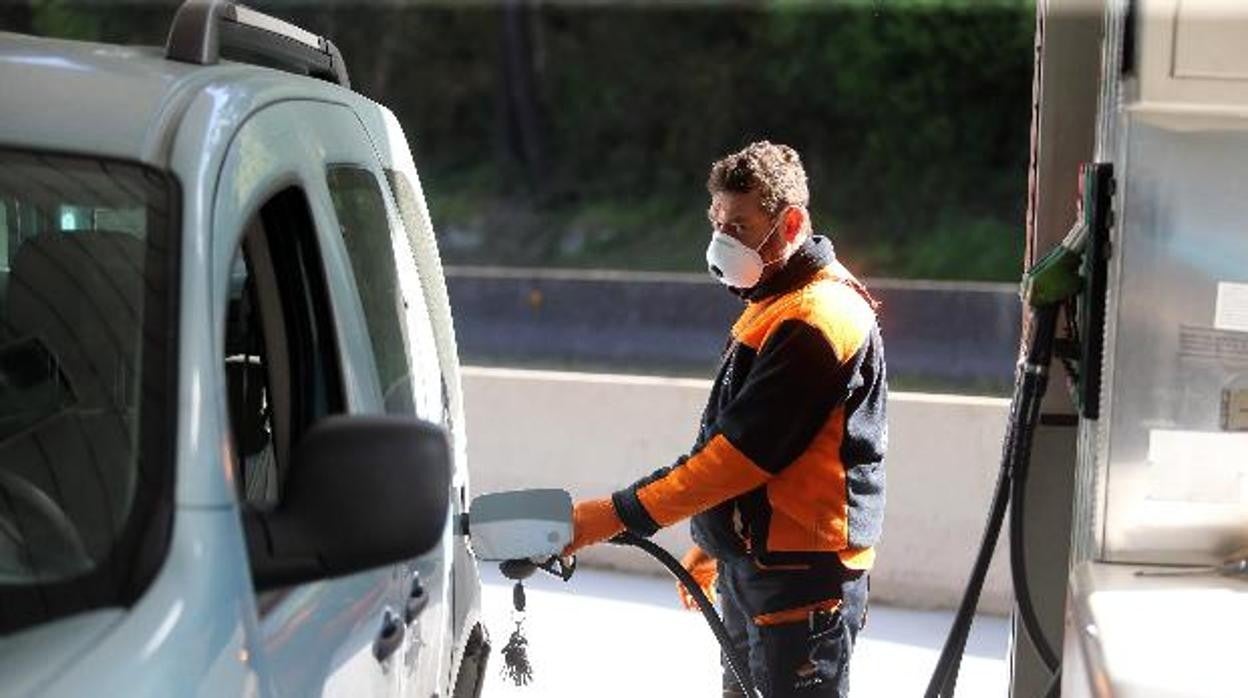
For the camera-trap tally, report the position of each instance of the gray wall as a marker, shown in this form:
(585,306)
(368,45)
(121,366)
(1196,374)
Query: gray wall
(936,335)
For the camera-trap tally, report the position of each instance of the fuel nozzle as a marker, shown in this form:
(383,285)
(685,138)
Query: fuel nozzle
(521,569)
(1055,277)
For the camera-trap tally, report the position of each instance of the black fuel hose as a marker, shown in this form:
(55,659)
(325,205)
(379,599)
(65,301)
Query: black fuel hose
(1034,384)
(1030,384)
(736,663)
(945,676)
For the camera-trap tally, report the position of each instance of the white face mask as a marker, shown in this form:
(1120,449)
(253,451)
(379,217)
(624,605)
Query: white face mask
(735,264)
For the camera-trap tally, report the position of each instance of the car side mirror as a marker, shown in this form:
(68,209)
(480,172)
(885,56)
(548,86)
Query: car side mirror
(363,491)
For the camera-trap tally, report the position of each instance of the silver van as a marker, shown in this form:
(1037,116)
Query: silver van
(231,432)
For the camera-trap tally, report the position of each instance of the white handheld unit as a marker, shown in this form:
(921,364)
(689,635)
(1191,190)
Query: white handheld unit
(520,524)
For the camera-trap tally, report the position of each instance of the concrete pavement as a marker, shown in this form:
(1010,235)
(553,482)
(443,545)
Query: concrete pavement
(608,634)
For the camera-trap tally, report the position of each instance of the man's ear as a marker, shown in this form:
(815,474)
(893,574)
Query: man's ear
(794,218)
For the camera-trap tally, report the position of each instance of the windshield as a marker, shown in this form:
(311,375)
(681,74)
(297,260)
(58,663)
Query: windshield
(85,415)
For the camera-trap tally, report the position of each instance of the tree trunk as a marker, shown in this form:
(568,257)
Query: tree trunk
(522,123)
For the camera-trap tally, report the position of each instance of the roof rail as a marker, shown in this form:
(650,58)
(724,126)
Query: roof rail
(202,28)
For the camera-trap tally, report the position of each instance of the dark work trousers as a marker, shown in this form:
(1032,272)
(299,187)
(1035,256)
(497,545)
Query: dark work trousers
(804,659)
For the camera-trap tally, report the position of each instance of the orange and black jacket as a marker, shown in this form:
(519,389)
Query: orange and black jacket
(787,473)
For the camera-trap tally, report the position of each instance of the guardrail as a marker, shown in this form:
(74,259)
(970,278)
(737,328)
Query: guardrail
(955,337)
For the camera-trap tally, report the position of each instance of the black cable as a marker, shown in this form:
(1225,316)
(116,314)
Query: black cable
(945,676)
(738,666)
(1030,382)
(1035,381)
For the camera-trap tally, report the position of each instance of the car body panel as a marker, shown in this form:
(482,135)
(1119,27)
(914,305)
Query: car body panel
(437,640)
(33,658)
(192,638)
(54,76)
(461,577)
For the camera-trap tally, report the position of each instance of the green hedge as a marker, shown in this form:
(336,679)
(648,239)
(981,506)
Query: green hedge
(580,134)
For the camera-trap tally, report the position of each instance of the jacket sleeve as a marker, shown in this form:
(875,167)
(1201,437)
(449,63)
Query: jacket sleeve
(795,383)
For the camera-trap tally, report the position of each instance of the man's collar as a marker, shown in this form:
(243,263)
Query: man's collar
(813,254)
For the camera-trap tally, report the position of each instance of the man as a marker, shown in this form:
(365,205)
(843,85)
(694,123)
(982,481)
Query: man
(786,481)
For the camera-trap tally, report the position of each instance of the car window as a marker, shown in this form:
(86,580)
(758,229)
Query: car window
(87,339)
(425,349)
(249,393)
(281,365)
(393,309)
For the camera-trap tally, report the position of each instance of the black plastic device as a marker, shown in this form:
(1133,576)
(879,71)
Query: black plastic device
(1098,195)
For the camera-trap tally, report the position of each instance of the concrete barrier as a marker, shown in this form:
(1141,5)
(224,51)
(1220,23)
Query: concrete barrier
(593,433)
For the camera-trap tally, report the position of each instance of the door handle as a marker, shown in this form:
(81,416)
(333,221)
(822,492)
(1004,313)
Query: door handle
(417,600)
(390,638)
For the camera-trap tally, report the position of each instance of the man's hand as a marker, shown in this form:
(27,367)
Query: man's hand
(593,521)
(703,569)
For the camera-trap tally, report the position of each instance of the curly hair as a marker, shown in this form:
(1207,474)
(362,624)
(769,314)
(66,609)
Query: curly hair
(774,169)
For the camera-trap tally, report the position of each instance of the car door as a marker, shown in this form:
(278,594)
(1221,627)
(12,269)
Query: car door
(297,349)
(451,573)
(410,381)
